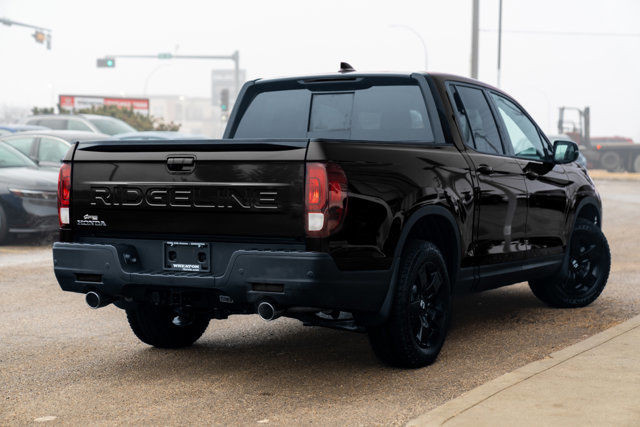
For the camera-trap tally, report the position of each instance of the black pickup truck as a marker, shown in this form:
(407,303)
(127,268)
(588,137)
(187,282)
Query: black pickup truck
(360,201)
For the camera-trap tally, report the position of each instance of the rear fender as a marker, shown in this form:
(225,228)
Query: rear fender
(409,226)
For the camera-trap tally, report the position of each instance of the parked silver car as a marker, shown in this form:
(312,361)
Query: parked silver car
(81,122)
(47,147)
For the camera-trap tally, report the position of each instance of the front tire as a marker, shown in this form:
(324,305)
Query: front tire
(413,335)
(161,327)
(584,274)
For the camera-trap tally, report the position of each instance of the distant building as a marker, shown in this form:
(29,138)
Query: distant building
(196,115)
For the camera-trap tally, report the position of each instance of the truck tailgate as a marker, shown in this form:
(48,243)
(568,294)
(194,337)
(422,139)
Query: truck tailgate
(211,187)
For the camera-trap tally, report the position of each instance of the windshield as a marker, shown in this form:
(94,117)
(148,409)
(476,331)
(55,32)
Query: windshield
(12,158)
(111,126)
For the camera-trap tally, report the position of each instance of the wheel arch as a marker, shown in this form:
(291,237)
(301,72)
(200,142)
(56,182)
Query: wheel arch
(588,208)
(435,224)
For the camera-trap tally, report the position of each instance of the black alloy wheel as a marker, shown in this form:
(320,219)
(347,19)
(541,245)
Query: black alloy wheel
(585,273)
(428,306)
(585,264)
(415,331)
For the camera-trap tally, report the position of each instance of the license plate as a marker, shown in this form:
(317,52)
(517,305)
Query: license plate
(187,256)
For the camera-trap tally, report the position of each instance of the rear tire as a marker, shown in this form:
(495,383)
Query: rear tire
(161,327)
(636,164)
(4,227)
(585,273)
(414,333)
(611,161)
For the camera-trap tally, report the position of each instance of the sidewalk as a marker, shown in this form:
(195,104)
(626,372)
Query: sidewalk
(594,382)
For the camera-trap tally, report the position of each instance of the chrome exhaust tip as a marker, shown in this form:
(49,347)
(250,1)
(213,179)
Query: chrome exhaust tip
(267,311)
(95,301)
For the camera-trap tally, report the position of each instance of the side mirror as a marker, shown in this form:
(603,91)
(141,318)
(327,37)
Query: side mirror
(565,151)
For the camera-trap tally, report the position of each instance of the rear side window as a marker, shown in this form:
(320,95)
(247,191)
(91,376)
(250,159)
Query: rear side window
(58,124)
(378,113)
(484,130)
(52,150)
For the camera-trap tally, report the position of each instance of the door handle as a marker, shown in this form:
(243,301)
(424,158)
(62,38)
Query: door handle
(531,175)
(180,164)
(485,169)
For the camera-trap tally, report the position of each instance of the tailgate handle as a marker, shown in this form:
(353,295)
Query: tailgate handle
(181,164)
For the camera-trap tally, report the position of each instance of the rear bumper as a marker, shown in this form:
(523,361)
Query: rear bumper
(308,279)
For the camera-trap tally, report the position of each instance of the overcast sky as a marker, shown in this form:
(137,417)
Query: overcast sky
(280,37)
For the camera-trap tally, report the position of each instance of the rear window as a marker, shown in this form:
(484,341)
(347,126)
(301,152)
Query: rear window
(378,113)
(277,114)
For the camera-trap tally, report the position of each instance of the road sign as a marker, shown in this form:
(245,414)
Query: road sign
(80,102)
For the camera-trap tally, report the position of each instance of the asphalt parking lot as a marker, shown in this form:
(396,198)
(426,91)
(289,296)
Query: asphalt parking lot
(61,361)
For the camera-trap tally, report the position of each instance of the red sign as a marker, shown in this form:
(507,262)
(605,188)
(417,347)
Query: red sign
(79,102)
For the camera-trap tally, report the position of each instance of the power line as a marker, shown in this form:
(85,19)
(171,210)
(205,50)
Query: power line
(563,33)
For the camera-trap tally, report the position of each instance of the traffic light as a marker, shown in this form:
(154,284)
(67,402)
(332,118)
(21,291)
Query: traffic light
(224,99)
(39,36)
(106,62)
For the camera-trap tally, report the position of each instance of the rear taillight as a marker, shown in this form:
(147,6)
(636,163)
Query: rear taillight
(326,198)
(64,194)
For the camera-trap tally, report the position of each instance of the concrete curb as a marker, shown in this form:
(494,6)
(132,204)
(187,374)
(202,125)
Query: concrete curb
(449,410)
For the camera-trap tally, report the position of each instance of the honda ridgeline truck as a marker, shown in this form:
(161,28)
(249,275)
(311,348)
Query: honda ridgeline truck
(360,201)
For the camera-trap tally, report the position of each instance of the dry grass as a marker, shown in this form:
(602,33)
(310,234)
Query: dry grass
(614,176)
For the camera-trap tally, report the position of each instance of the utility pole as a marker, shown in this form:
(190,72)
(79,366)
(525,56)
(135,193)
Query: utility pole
(41,34)
(475,29)
(236,71)
(499,42)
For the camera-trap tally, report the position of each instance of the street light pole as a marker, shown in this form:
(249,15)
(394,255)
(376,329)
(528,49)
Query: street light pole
(417,34)
(475,18)
(146,81)
(499,42)
(236,71)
